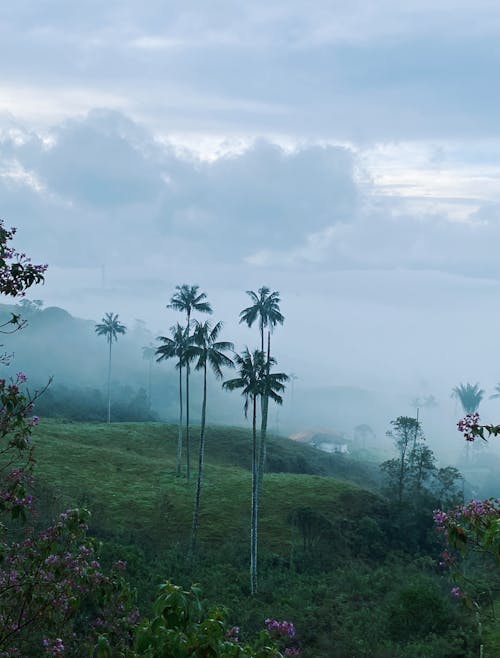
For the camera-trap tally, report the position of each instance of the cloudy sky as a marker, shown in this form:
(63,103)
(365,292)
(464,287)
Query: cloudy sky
(343,153)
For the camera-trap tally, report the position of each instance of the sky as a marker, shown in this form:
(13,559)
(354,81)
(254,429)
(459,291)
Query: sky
(345,154)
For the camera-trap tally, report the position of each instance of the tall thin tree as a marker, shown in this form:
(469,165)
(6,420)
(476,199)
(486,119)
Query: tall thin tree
(252,382)
(175,347)
(187,299)
(266,309)
(209,352)
(110,327)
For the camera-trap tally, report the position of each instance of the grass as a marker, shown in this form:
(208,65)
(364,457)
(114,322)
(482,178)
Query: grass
(125,473)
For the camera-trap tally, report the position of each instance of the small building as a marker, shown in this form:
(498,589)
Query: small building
(329,441)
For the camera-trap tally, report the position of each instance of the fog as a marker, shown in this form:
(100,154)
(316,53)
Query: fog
(134,158)
(66,348)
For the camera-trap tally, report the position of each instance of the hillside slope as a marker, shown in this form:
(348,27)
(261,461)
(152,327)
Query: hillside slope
(125,473)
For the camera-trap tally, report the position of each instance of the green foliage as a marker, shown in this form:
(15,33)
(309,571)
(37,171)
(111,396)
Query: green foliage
(417,611)
(180,627)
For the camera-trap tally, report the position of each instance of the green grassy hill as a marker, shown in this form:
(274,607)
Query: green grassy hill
(332,557)
(125,473)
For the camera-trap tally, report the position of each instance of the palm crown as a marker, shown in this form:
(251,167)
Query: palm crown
(110,327)
(208,350)
(470,396)
(254,378)
(175,346)
(265,307)
(188,299)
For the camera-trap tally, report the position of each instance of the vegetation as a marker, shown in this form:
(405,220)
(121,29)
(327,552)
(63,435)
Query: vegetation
(255,380)
(110,327)
(176,347)
(89,404)
(266,308)
(209,352)
(334,557)
(352,567)
(187,299)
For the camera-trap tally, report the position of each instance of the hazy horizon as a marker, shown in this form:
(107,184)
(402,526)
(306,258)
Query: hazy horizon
(344,156)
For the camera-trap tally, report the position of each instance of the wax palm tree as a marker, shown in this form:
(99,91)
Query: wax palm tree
(110,327)
(209,352)
(266,309)
(148,354)
(255,381)
(470,396)
(175,347)
(251,368)
(187,299)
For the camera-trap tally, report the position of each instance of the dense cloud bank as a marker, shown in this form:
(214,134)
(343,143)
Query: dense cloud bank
(116,196)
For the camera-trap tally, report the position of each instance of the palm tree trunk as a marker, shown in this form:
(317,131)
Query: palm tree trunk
(188,466)
(179,433)
(109,382)
(201,457)
(255,504)
(263,424)
(188,456)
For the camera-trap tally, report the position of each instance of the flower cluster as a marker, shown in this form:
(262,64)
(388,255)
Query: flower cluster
(280,627)
(233,634)
(469,426)
(44,579)
(470,528)
(53,647)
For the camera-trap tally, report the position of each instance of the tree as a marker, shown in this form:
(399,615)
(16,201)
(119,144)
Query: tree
(110,327)
(175,347)
(50,582)
(209,352)
(266,309)
(470,396)
(255,381)
(187,299)
(408,439)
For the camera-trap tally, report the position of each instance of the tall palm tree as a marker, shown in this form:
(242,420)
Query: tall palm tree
(187,299)
(209,352)
(266,308)
(110,327)
(254,381)
(470,396)
(175,347)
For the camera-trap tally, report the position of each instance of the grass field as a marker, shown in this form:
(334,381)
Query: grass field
(125,473)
